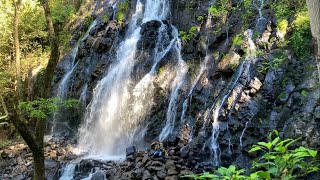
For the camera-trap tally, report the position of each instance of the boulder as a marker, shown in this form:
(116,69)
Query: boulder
(131,151)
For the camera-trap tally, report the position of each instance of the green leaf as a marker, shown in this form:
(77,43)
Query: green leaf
(267,145)
(232,168)
(313,153)
(273,170)
(264,175)
(275,141)
(254,149)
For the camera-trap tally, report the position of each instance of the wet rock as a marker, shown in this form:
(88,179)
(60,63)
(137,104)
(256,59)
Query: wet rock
(228,64)
(146,175)
(171,178)
(102,44)
(156,166)
(172,172)
(170,164)
(149,33)
(161,174)
(317,112)
(282,98)
(131,151)
(145,158)
(98,176)
(51,169)
(255,84)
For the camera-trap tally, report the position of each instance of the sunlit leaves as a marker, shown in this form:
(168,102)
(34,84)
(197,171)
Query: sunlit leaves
(278,161)
(41,108)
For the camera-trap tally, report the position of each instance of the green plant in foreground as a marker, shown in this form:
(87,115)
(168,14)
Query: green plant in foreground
(281,162)
(222,173)
(278,161)
(41,108)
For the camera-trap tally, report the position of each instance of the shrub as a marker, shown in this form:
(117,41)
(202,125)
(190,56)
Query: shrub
(41,108)
(220,8)
(187,36)
(123,8)
(278,161)
(300,40)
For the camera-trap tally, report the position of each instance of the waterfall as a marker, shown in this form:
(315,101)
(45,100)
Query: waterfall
(203,67)
(260,25)
(243,68)
(64,84)
(68,172)
(178,82)
(119,104)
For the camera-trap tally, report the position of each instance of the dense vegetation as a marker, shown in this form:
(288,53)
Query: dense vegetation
(277,160)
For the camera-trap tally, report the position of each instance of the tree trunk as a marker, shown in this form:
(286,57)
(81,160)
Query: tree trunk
(35,140)
(16,44)
(54,54)
(38,165)
(314,13)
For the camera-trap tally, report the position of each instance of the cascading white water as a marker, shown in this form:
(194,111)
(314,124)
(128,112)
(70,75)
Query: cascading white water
(83,94)
(203,67)
(178,82)
(117,107)
(261,20)
(144,91)
(67,173)
(63,85)
(244,66)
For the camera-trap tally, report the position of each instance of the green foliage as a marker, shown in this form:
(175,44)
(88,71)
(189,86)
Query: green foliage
(248,12)
(304,93)
(187,36)
(32,26)
(41,108)
(281,162)
(221,173)
(284,9)
(87,21)
(283,25)
(238,40)
(62,12)
(220,8)
(6,19)
(105,18)
(64,38)
(200,18)
(123,8)
(162,70)
(5,143)
(300,40)
(278,161)
(278,59)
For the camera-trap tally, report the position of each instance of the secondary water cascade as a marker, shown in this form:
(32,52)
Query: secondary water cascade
(203,68)
(63,86)
(260,25)
(175,87)
(217,107)
(119,104)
